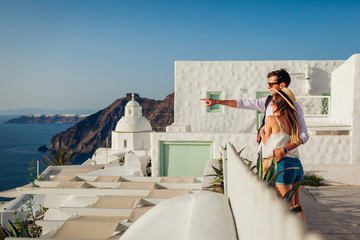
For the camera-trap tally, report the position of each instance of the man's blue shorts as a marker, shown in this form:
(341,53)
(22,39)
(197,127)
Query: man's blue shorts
(289,176)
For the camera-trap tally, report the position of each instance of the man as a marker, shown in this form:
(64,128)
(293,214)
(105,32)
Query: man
(276,81)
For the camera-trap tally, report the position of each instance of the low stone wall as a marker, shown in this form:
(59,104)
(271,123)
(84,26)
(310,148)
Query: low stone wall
(258,212)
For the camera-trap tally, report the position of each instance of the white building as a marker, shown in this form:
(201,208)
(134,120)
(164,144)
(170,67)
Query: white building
(130,141)
(326,90)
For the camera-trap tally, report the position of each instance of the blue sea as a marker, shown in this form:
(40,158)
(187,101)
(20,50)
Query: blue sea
(18,147)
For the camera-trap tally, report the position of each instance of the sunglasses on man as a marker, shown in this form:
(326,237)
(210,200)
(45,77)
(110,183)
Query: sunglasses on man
(272,84)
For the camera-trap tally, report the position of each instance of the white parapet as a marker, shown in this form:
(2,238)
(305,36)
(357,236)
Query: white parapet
(258,212)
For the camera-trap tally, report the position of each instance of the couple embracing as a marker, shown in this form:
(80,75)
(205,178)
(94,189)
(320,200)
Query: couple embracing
(282,132)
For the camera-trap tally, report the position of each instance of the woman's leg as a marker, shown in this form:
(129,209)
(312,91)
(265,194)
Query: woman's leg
(281,190)
(297,202)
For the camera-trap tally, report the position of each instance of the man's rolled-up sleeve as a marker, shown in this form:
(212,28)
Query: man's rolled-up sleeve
(304,135)
(257,104)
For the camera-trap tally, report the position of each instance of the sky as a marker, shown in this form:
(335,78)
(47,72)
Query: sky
(85,54)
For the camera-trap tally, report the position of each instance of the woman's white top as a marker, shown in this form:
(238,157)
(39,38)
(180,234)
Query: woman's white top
(276,141)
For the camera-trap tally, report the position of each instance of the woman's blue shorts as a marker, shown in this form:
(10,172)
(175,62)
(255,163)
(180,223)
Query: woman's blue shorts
(289,176)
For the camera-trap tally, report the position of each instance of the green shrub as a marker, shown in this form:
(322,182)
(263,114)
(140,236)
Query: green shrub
(311,179)
(218,184)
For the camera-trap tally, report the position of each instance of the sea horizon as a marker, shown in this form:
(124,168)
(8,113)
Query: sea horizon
(19,146)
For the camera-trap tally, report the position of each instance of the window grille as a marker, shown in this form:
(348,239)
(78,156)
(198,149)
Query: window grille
(315,106)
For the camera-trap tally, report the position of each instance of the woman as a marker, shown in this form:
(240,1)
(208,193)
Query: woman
(280,129)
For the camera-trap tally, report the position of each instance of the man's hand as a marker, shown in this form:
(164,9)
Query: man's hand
(208,101)
(279,154)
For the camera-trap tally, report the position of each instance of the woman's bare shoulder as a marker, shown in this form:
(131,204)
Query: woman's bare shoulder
(270,119)
(272,123)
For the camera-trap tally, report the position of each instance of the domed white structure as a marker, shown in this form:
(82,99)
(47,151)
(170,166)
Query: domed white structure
(130,143)
(133,121)
(132,132)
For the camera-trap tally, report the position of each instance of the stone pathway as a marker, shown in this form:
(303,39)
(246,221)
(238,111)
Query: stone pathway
(336,213)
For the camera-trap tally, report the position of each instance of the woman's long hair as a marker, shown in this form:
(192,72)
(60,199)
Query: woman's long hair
(288,116)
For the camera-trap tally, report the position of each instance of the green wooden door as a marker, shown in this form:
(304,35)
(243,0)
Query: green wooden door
(260,115)
(184,159)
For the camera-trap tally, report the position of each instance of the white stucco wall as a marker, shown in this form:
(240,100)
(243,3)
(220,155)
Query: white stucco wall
(356,112)
(117,140)
(141,140)
(134,141)
(327,149)
(345,88)
(114,140)
(342,92)
(236,79)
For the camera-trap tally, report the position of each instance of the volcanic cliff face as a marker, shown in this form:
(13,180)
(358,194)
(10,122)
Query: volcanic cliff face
(91,133)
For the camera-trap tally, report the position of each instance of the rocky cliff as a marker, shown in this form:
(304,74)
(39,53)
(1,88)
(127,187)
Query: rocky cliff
(91,133)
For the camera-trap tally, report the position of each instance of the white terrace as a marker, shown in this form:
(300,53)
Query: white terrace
(82,206)
(113,207)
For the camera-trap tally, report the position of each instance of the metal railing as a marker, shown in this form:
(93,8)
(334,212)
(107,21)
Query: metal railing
(315,106)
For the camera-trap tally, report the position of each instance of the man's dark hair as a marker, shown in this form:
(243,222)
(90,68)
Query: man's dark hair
(282,76)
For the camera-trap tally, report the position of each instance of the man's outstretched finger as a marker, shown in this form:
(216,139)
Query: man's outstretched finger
(207,101)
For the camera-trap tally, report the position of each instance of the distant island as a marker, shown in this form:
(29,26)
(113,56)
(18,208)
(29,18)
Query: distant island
(48,118)
(43,148)
(27,111)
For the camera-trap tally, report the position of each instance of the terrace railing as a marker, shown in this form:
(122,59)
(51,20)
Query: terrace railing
(315,106)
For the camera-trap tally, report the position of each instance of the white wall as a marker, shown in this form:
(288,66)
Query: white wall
(327,149)
(114,140)
(117,140)
(240,79)
(141,140)
(345,88)
(342,92)
(254,204)
(356,112)
(134,141)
